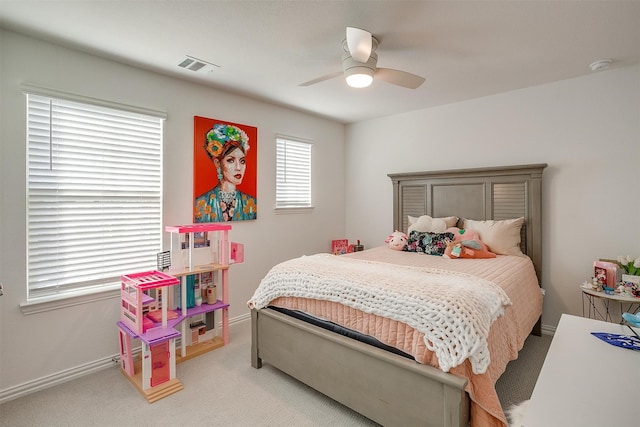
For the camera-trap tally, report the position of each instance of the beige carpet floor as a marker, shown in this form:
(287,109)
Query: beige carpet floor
(221,388)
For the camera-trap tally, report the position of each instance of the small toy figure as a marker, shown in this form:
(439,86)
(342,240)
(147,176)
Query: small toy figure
(596,285)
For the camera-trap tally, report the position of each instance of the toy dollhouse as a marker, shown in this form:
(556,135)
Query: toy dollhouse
(155,375)
(158,307)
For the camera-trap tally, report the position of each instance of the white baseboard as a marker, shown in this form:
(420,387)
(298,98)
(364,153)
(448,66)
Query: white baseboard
(239,319)
(548,330)
(45,382)
(61,377)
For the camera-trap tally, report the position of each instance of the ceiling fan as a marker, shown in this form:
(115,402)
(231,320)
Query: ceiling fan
(359,60)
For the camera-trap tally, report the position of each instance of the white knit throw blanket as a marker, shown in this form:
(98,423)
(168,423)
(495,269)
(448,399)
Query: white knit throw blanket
(453,310)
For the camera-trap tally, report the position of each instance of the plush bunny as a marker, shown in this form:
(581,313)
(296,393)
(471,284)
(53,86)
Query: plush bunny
(397,240)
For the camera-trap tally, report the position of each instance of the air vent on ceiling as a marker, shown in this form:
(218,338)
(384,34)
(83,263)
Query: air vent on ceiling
(195,64)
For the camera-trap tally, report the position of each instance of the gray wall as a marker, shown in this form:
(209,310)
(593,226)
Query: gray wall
(40,349)
(587,130)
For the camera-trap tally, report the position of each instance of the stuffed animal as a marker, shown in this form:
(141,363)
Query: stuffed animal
(466,244)
(397,240)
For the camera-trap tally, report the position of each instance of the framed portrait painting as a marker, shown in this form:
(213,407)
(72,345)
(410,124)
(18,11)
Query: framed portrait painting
(224,171)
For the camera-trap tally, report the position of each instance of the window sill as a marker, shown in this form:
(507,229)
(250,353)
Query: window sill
(55,302)
(287,211)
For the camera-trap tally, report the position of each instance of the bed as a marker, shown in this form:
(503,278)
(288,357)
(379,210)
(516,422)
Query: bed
(389,387)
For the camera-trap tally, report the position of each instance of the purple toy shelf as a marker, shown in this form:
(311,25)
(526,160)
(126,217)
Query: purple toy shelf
(158,334)
(153,335)
(194,311)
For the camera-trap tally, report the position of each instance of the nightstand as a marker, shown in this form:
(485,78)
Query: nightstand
(596,305)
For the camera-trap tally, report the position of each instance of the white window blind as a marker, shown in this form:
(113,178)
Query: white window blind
(94,196)
(293,174)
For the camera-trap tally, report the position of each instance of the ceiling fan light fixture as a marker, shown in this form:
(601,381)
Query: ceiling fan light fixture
(359,77)
(359,74)
(360,64)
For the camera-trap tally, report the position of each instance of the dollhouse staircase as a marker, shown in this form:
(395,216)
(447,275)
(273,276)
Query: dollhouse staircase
(155,393)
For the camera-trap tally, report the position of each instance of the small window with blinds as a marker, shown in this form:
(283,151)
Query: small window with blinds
(293,174)
(94,195)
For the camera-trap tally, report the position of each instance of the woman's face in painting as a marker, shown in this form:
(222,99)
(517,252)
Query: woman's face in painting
(233,166)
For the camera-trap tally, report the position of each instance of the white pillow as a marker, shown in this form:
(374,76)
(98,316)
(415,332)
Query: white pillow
(502,237)
(427,224)
(450,221)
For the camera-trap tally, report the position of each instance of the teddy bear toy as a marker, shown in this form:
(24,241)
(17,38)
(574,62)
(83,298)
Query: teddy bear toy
(397,240)
(466,244)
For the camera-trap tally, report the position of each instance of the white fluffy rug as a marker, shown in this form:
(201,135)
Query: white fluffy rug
(515,414)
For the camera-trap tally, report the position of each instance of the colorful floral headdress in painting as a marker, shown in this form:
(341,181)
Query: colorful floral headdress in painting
(223,138)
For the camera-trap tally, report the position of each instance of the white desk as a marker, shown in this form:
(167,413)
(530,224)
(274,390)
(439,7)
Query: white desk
(586,382)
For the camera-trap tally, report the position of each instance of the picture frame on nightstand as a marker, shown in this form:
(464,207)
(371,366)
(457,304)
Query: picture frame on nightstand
(606,272)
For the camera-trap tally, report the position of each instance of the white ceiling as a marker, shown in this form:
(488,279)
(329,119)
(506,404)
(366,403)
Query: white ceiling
(265,49)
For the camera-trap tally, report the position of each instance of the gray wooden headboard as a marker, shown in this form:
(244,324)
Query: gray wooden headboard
(483,193)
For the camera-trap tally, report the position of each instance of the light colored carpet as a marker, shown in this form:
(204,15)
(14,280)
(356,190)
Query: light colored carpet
(517,383)
(220,388)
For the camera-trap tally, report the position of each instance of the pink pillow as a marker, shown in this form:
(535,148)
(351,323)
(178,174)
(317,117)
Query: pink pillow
(460,234)
(475,248)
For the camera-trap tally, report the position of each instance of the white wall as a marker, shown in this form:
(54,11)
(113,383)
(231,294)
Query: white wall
(587,130)
(42,348)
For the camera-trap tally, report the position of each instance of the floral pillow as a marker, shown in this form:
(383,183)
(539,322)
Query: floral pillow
(428,243)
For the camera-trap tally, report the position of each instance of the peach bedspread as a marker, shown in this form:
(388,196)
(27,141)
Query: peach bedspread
(516,275)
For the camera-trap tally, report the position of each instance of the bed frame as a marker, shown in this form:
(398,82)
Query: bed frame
(387,388)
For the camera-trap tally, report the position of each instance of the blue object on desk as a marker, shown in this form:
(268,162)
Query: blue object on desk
(634,319)
(618,340)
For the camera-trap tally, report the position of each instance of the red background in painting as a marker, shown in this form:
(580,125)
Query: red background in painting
(205,176)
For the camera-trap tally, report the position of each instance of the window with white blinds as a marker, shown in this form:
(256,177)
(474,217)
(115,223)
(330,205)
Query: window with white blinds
(94,195)
(293,173)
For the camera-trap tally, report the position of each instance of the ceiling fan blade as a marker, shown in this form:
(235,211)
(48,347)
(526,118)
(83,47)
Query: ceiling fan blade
(322,78)
(359,44)
(400,78)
